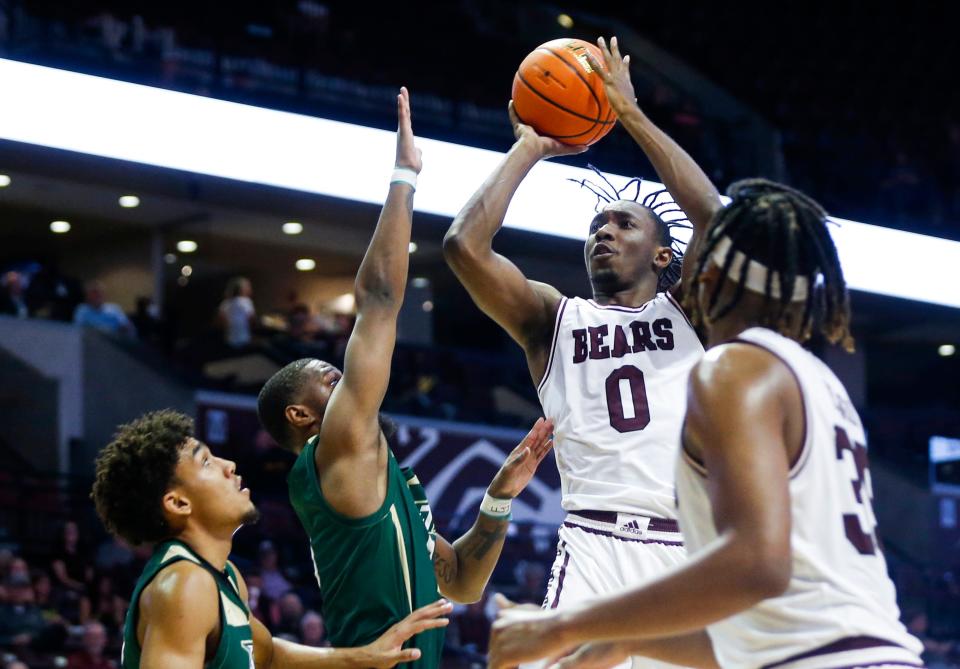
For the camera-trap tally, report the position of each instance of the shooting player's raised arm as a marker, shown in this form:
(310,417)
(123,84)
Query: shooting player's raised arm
(525,309)
(689,186)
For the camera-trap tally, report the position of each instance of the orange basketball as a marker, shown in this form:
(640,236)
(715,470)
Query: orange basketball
(557,92)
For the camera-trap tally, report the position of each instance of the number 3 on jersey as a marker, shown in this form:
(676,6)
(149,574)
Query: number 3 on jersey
(863,541)
(627,399)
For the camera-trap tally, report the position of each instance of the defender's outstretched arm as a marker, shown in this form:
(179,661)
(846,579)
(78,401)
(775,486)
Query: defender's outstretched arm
(351,429)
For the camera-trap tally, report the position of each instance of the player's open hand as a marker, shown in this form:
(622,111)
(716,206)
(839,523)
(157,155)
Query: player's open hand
(388,651)
(408,155)
(522,463)
(545,147)
(615,72)
(524,634)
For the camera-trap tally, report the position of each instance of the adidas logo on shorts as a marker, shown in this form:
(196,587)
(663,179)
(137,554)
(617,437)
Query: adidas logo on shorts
(630,526)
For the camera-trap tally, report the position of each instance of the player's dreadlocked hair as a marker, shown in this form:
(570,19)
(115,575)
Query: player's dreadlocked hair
(786,231)
(135,470)
(665,213)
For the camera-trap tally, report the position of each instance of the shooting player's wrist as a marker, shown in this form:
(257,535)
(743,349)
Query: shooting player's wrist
(530,148)
(628,110)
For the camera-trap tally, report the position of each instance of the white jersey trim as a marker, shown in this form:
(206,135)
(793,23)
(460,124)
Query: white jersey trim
(618,307)
(553,343)
(679,307)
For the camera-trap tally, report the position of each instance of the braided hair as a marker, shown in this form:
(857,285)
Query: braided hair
(786,231)
(665,213)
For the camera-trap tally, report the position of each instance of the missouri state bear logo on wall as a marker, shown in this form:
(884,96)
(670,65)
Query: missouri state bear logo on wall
(456,462)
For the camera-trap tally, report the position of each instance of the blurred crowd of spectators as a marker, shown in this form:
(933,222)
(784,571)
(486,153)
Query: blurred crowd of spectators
(64,606)
(452,384)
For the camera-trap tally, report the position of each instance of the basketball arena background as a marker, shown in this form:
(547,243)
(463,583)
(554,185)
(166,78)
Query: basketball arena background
(152,153)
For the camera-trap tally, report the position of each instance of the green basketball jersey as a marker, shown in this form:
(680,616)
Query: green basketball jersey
(235,650)
(372,571)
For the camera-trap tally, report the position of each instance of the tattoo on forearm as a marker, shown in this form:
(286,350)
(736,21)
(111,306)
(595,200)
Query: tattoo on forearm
(445,570)
(479,545)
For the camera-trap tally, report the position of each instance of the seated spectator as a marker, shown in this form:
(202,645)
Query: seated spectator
(301,324)
(286,615)
(72,571)
(312,630)
(146,321)
(71,563)
(104,605)
(6,560)
(12,300)
(91,656)
(530,577)
(21,621)
(275,585)
(97,313)
(17,567)
(52,294)
(46,599)
(237,314)
(254,600)
(113,555)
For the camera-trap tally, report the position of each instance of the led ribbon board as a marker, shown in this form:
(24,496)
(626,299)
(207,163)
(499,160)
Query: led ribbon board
(113,119)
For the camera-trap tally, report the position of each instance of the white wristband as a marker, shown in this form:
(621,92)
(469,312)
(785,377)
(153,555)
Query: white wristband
(498,508)
(404,175)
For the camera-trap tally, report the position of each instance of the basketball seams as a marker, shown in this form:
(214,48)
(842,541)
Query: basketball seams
(602,130)
(559,106)
(581,77)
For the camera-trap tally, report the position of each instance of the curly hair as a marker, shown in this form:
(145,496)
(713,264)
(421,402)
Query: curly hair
(135,470)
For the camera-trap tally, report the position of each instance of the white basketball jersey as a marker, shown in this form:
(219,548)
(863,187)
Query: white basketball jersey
(616,389)
(840,607)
